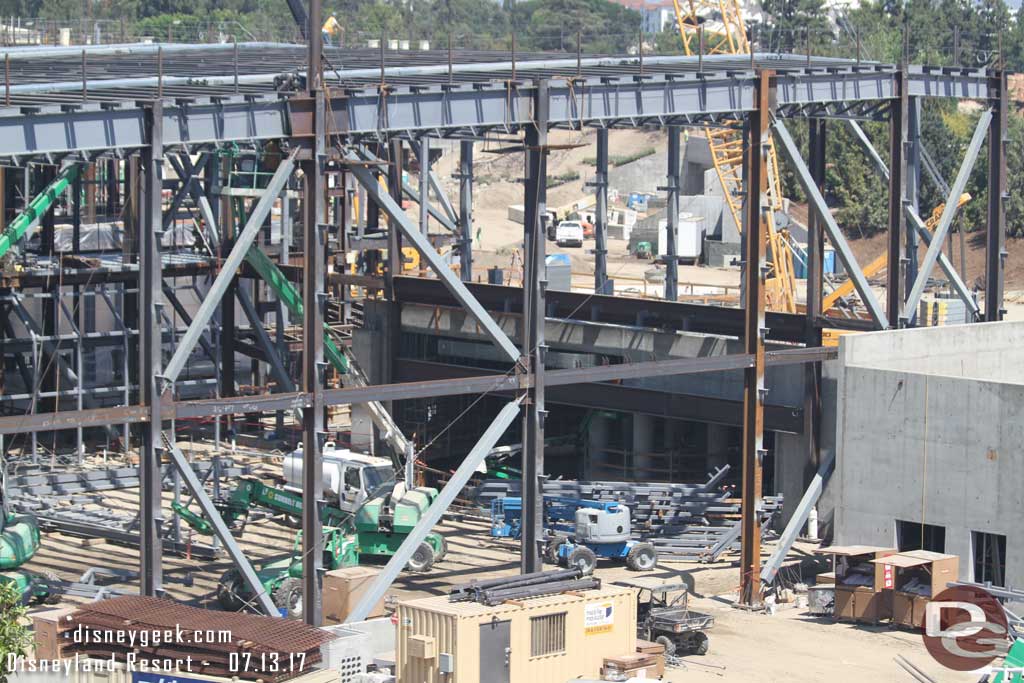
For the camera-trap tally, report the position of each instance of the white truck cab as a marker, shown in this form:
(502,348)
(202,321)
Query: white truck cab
(349,478)
(569,234)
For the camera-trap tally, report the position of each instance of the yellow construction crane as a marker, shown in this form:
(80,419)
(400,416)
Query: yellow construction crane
(721,23)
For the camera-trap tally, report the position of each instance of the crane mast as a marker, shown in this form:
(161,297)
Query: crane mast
(716,28)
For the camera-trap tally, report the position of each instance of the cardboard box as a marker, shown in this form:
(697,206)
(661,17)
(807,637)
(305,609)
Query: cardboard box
(49,626)
(825,578)
(343,589)
(935,570)
(908,609)
(657,649)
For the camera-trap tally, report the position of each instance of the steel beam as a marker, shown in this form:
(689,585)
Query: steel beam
(191,409)
(195,485)
(897,193)
(150,347)
(465,178)
(917,225)
(670,257)
(432,516)
(835,235)
(313,365)
(410,231)
(799,518)
(270,350)
(534,307)
(995,238)
(756,208)
(600,186)
(229,268)
(946,219)
(424,192)
(913,199)
(818,149)
(179,308)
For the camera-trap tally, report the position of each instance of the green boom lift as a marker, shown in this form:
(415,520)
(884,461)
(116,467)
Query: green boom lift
(376,528)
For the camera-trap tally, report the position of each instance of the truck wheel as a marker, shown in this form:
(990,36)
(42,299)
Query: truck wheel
(229,591)
(698,643)
(642,557)
(288,596)
(422,559)
(584,559)
(668,644)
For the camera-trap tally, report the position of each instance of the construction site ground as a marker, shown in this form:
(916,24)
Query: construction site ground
(789,645)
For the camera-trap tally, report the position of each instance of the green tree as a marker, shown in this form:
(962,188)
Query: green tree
(792,22)
(14,635)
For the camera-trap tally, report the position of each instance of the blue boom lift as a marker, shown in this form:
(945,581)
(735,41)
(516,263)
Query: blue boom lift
(578,532)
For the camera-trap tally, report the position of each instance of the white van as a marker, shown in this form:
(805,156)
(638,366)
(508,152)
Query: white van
(569,234)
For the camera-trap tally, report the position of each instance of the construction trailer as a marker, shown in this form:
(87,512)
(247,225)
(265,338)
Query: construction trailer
(154,148)
(548,639)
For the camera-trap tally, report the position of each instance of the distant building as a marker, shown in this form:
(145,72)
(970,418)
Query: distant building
(658,16)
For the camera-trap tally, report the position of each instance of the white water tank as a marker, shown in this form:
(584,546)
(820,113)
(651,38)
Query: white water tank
(332,469)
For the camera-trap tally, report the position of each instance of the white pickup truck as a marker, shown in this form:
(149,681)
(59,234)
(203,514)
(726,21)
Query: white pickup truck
(569,234)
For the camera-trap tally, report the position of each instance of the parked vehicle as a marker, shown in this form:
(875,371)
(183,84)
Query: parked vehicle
(663,616)
(569,234)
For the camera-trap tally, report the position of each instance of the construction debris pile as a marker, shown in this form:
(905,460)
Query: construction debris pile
(695,522)
(496,591)
(244,645)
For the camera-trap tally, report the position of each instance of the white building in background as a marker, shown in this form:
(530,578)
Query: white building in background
(659,17)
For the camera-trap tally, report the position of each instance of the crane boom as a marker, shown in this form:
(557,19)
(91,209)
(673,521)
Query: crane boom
(721,23)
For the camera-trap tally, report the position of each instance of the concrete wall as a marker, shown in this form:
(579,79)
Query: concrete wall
(978,351)
(933,448)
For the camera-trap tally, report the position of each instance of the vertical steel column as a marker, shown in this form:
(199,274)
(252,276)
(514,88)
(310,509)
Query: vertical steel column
(912,155)
(466,210)
(815,268)
(600,185)
(281,317)
(898,129)
(995,245)
(534,285)
(312,337)
(395,190)
(754,230)
(50,308)
(228,220)
(425,185)
(150,361)
(672,216)
(76,298)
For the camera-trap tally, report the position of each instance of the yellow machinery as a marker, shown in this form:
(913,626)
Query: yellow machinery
(880,263)
(721,22)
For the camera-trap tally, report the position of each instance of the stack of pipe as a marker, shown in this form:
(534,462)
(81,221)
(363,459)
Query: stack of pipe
(497,591)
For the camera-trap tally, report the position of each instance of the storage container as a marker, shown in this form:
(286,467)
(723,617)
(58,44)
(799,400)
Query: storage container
(537,640)
(862,589)
(918,575)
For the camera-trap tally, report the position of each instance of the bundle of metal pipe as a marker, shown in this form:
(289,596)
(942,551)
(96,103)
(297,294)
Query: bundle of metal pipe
(496,591)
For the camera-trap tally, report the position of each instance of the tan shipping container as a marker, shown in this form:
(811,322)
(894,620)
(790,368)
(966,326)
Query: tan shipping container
(539,640)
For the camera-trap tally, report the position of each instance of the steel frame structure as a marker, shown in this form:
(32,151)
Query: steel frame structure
(340,121)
